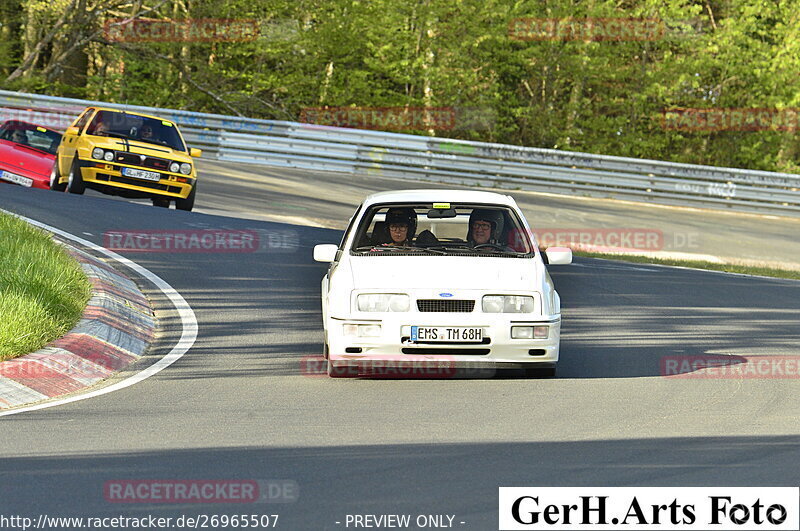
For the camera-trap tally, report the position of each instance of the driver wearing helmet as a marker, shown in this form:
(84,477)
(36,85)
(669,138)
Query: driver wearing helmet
(485,228)
(401,224)
(19,136)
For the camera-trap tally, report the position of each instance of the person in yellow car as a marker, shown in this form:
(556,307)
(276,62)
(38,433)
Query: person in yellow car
(147,133)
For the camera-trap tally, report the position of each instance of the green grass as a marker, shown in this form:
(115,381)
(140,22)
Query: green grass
(43,290)
(697,264)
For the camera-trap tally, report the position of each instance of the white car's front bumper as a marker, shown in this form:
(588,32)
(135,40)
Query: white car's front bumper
(393,345)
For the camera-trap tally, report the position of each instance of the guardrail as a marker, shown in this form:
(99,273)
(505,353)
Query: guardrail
(323,148)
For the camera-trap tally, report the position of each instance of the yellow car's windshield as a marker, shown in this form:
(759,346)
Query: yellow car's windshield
(133,127)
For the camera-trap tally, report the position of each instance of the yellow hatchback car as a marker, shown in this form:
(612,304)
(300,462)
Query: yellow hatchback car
(126,154)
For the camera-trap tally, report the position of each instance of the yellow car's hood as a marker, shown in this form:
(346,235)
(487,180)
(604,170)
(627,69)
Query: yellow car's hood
(143,148)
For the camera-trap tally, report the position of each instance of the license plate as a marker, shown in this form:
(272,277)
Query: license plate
(16,179)
(437,334)
(141,174)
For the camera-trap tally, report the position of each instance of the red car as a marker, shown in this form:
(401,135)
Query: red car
(27,153)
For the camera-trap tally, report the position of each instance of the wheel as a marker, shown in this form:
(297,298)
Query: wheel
(54,177)
(188,203)
(541,372)
(325,351)
(75,184)
(163,203)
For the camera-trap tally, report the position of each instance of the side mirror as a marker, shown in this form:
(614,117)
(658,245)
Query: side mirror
(72,130)
(325,252)
(195,153)
(558,255)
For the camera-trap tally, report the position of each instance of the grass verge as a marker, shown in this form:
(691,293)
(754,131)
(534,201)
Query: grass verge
(697,264)
(43,290)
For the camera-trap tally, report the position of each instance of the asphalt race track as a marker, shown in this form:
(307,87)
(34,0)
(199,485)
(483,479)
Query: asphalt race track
(238,406)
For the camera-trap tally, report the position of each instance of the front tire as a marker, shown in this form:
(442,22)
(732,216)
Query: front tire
(75,184)
(54,177)
(188,203)
(162,203)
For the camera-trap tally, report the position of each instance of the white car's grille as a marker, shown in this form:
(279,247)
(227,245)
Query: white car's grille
(447,305)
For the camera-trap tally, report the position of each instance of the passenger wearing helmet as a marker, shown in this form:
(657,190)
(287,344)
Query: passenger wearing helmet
(401,224)
(485,227)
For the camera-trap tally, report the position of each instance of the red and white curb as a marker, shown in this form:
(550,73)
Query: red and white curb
(115,330)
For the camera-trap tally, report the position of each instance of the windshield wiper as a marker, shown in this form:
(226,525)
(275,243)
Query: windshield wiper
(483,250)
(395,248)
(116,135)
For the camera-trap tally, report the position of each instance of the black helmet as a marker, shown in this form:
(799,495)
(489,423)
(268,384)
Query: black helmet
(495,217)
(403,215)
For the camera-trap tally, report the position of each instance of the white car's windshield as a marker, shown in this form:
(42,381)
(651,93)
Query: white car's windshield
(442,228)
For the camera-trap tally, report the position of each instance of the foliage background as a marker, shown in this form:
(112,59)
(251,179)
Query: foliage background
(593,96)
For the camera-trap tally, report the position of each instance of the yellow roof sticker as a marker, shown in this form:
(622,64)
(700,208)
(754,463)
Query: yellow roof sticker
(444,206)
(41,129)
(166,123)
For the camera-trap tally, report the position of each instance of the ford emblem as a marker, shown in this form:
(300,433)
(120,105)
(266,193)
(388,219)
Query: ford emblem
(445,294)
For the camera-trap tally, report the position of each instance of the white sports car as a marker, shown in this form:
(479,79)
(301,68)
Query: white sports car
(426,282)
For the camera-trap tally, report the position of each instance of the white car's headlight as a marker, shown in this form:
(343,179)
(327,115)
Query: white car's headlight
(507,304)
(362,330)
(530,332)
(382,302)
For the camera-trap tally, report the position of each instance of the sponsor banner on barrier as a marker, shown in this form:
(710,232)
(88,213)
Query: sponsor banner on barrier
(201,241)
(179,491)
(649,508)
(717,366)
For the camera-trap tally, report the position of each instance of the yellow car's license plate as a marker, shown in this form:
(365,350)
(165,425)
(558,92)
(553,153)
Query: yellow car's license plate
(141,174)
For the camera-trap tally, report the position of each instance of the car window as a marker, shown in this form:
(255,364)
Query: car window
(30,135)
(83,119)
(134,127)
(451,232)
(349,227)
